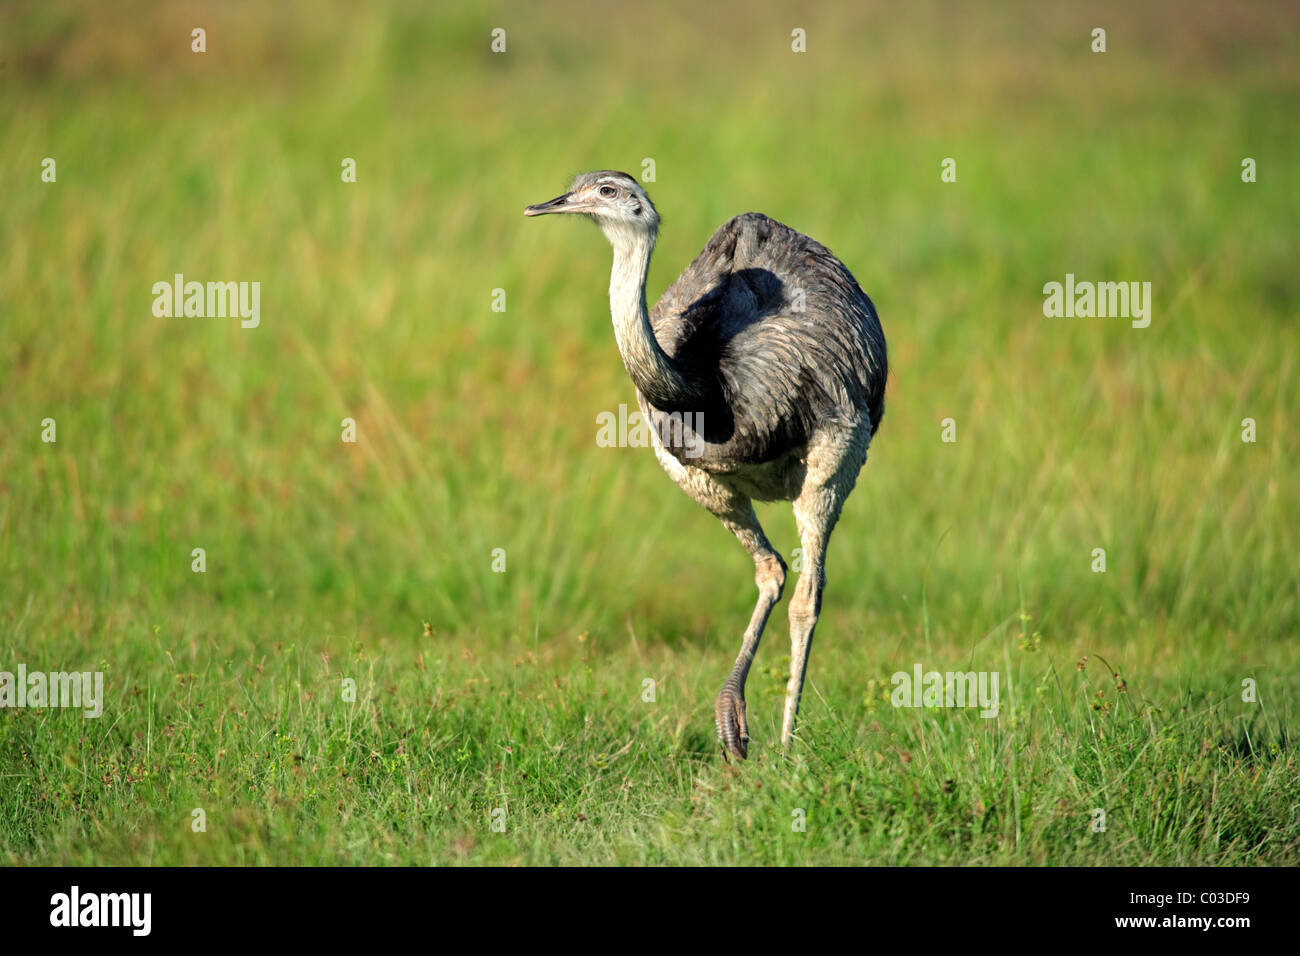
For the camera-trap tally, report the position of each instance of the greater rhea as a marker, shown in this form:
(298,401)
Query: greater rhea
(761,372)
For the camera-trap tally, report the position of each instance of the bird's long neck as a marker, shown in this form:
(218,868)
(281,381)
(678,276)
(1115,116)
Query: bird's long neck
(665,383)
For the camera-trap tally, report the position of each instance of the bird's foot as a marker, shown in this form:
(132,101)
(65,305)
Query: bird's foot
(733,729)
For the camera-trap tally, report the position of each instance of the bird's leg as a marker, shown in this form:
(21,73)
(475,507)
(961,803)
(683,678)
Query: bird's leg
(816,511)
(769,576)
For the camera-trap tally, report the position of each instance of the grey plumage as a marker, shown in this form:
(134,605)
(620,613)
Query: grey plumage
(762,373)
(780,335)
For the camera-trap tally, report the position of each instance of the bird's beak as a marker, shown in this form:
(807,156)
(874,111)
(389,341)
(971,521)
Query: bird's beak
(558,204)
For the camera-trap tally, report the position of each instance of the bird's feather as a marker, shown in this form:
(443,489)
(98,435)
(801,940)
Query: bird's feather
(782,332)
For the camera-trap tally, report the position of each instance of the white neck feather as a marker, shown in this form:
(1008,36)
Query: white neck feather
(653,373)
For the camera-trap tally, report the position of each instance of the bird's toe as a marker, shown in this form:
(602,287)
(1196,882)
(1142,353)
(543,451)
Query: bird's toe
(733,730)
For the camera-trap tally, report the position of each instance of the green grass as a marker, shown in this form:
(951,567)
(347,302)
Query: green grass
(523,690)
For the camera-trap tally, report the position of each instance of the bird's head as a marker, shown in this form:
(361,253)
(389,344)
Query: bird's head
(615,201)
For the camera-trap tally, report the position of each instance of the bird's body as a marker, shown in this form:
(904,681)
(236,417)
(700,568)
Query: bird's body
(783,334)
(761,372)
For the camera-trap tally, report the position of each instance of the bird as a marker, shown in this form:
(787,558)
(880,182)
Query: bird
(761,372)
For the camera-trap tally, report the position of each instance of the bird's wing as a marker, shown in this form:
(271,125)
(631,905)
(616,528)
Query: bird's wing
(784,327)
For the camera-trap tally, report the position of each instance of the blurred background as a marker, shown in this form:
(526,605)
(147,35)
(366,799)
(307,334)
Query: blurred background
(477,429)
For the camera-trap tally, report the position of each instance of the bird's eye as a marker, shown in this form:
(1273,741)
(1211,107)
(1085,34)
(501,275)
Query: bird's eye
(607,192)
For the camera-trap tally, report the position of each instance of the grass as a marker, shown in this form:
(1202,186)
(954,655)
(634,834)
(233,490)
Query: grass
(523,690)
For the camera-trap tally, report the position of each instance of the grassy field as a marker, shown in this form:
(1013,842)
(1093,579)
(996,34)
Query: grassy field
(479,692)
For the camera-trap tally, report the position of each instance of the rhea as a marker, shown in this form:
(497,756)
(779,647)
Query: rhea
(761,372)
